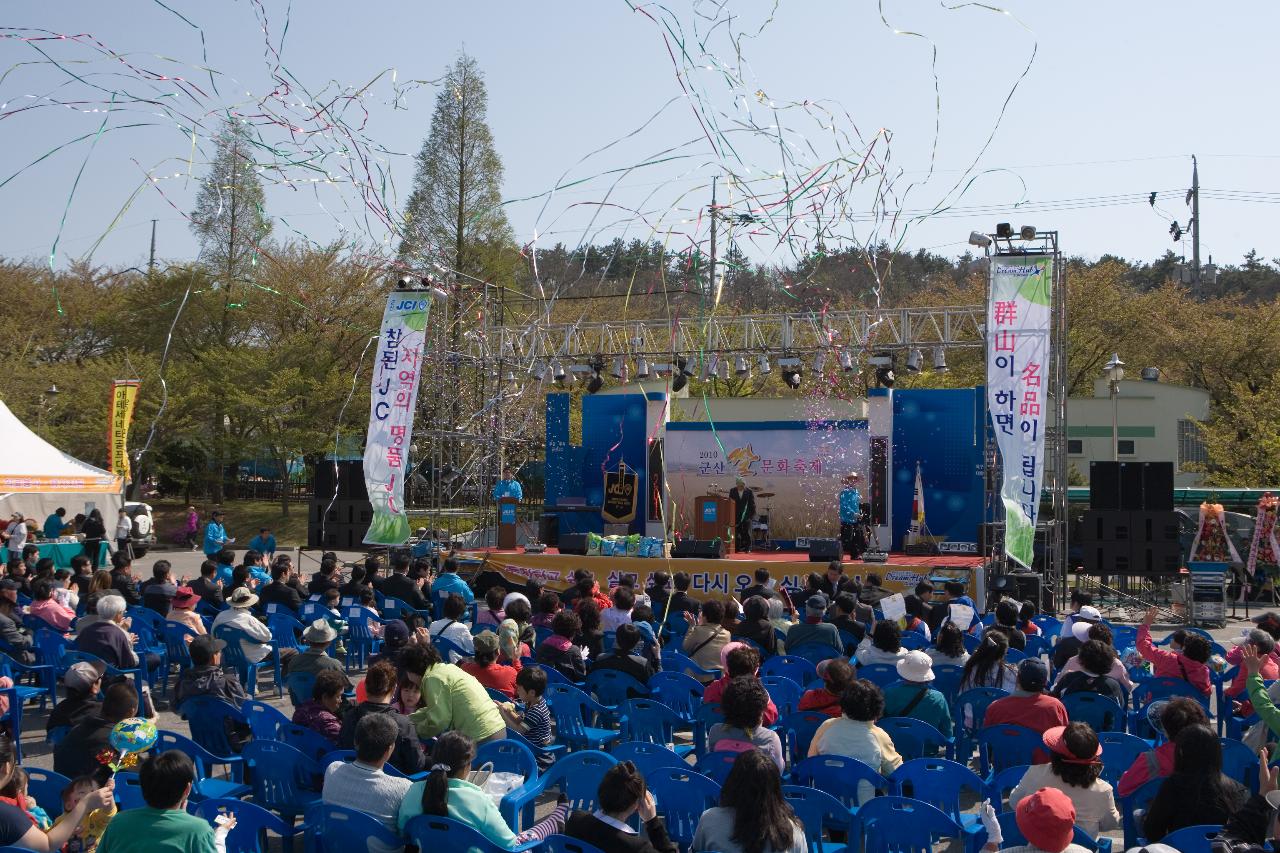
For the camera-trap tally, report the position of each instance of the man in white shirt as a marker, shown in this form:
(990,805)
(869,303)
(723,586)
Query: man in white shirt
(16,534)
(363,785)
(239,616)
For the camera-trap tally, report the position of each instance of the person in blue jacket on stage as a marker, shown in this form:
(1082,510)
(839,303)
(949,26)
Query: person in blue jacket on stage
(852,539)
(215,535)
(508,486)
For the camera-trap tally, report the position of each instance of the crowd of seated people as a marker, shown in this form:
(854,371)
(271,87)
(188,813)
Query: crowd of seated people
(415,710)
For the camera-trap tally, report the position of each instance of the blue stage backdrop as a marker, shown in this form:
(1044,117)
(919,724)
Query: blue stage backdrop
(942,429)
(613,431)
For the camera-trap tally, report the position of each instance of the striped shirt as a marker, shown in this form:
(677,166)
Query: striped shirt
(355,786)
(537,719)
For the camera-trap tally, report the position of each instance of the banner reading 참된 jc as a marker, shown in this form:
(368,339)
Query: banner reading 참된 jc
(393,397)
(1017,389)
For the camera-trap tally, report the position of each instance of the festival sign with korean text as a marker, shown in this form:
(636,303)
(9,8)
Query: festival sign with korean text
(1018,317)
(392,399)
(124,392)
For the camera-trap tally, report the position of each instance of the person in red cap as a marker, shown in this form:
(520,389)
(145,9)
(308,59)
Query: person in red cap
(1075,767)
(183,610)
(1047,820)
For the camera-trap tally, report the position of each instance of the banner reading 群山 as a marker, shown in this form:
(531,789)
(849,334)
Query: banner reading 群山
(392,399)
(124,392)
(1018,316)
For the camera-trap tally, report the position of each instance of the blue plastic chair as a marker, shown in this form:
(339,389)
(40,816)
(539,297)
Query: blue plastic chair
(1238,762)
(879,674)
(361,644)
(946,680)
(1050,626)
(1007,745)
(1102,713)
(650,721)
(555,676)
(673,629)
(611,688)
(310,742)
(1139,800)
(678,692)
(901,825)
(207,786)
(429,832)
(939,783)
(253,822)
(545,754)
(43,680)
(1038,646)
(1002,783)
(72,656)
(967,714)
(915,738)
(577,775)
(647,756)
(1152,689)
(572,710)
(1193,839)
(176,636)
(673,661)
(716,765)
(847,779)
(797,731)
(798,669)
(784,692)
(1012,836)
(128,791)
(334,829)
(1119,751)
(286,629)
(914,641)
(814,653)
(682,795)
(207,717)
(47,787)
(301,686)
(507,756)
(707,716)
(819,812)
(565,844)
(248,670)
(284,780)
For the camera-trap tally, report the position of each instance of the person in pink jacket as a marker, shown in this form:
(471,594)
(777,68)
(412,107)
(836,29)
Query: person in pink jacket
(1265,646)
(1191,664)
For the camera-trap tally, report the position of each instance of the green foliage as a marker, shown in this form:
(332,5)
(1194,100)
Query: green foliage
(230,218)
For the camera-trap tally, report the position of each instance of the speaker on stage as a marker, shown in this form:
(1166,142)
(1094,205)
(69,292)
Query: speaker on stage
(573,543)
(1104,485)
(1157,486)
(824,550)
(701,549)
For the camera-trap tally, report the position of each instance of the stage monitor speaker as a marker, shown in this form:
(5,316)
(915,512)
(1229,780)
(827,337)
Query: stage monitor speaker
(1100,526)
(549,528)
(825,550)
(1109,558)
(1156,528)
(1157,486)
(349,481)
(1023,587)
(700,549)
(573,543)
(1104,485)
(1158,558)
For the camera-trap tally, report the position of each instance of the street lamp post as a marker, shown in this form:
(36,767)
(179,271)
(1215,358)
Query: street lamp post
(1113,370)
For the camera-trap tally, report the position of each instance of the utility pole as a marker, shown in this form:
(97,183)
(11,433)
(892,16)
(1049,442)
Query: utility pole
(151,262)
(1195,222)
(711,281)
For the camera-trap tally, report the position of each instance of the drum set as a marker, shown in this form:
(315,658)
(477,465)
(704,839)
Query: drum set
(760,527)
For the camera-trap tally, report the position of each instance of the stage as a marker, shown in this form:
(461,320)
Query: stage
(713,578)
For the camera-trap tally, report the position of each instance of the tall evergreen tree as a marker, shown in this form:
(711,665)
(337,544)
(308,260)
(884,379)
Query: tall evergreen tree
(230,217)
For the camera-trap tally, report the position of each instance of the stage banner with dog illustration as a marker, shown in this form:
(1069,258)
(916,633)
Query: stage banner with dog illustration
(795,469)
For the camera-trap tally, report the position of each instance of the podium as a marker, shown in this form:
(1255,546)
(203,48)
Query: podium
(713,517)
(507,524)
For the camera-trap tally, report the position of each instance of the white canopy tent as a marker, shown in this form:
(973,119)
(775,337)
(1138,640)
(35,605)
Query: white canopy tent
(36,478)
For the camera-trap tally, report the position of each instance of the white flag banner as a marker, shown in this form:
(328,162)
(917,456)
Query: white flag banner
(1018,317)
(392,399)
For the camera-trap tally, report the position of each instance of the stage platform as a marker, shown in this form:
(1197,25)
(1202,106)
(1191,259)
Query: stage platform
(719,577)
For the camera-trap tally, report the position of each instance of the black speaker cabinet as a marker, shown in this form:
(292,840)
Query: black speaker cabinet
(824,550)
(1107,526)
(1104,485)
(701,549)
(573,543)
(1157,486)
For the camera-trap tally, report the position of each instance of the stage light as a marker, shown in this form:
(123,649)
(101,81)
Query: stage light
(790,368)
(619,371)
(977,238)
(406,282)
(539,371)
(1004,231)
(885,377)
(881,359)
(1027,232)
(914,359)
(819,361)
(642,368)
(846,361)
(722,369)
(438,294)
(686,369)
(741,367)
(709,365)
(557,371)
(940,359)
(595,384)
(765,367)
(681,378)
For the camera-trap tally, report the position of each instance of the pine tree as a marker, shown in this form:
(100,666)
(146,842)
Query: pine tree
(454,213)
(230,217)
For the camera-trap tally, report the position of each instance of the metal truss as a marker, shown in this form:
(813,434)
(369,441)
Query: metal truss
(887,329)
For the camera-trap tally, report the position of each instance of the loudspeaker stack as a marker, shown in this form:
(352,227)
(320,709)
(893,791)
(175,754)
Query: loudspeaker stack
(341,522)
(1131,528)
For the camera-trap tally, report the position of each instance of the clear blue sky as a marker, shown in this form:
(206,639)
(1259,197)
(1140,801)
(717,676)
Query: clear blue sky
(1118,97)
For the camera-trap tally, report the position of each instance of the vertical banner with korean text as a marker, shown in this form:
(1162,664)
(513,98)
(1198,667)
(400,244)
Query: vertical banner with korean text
(393,397)
(1017,385)
(124,392)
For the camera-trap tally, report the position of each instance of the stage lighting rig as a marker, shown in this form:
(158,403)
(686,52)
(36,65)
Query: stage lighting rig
(791,371)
